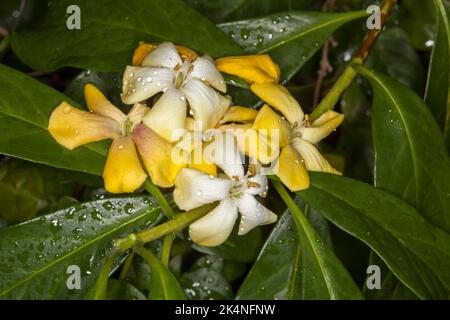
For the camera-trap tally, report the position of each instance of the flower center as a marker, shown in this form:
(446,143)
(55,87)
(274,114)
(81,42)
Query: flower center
(239,185)
(181,73)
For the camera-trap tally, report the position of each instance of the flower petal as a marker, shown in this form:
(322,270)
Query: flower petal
(141,83)
(215,228)
(97,103)
(204,69)
(136,114)
(123,171)
(168,116)
(253,214)
(194,189)
(268,120)
(206,104)
(239,114)
(291,169)
(200,163)
(73,127)
(165,55)
(257,185)
(314,161)
(279,98)
(142,51)
(322,127)
(158,156)
(251,68)
(256,144)
(224,152)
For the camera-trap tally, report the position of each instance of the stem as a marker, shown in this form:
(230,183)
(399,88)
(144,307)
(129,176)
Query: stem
(176,224)
(101,285)
(331,99)
(296,212)
(126,267)
(166,246)
(154,191)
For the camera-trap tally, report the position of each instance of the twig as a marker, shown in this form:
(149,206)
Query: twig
(23,3)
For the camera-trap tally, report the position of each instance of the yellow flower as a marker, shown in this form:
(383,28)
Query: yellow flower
(295,153)
(123,171)
(251,68)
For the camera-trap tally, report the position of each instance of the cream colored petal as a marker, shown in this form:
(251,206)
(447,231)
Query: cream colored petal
(206,104)
(239,114)
(322,127)
(313,160)
(157,154)
(168,116)
(204,69)
(141,83)
(253,214)
(215,228)
(97,103)
(224,152)
(194,188)
(73,127)
(279,98)
(165,55)
(291,170)
(257,185)
(123,172)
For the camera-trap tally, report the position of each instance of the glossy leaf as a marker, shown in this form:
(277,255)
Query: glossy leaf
(417,18)
(122,290)
(306,266)
(411,159)
(36,255)
(107,38)
(438,88)
(163,284)
(417,252)
(25,107)
(291,39)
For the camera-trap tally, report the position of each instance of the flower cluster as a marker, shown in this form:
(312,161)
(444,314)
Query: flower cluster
(182,131)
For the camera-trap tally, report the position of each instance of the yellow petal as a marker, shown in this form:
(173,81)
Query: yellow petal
(322,127)
(268,120)
(97,103)
(123,172)
(251,68)
(256,145)
(158,156)
(279,98)
(291,169)
(314,161)
(73,127)
(200,163)
(239,114)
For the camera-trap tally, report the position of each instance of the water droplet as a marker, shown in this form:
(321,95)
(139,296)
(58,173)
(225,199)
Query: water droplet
(120,147)
(67,109)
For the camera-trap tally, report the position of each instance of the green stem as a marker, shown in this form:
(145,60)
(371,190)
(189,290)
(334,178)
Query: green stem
(346,78)
(101,285)
(126,267)
(4,44)
(154,191)
(166,247)
(296,212)
(178,223)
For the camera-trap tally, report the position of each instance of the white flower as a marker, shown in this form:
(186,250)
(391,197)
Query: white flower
(163,70)
(235,190)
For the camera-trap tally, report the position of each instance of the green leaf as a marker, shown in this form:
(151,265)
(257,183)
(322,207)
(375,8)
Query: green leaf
(25,107)
(411,158)
(417,19)
(231,10)
(163,284)
(122,290)
(232,248)
(110,31)
(205,280)
(291,39)
(437,95)
(35,255)
(417,252)
(306,267)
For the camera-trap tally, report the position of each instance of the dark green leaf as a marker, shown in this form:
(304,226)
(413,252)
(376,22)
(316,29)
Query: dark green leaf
(25,107)
(438,87)
(411,159)
(417,19)
(417,252)
(291,39)
(110,31)
(35,255)
(232,248)
(306,267)
(122,290)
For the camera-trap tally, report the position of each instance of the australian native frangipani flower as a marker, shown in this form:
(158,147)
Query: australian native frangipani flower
(235,190)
